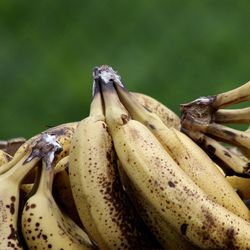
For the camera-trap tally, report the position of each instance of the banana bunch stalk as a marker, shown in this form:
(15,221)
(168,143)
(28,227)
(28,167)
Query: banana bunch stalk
(204,121)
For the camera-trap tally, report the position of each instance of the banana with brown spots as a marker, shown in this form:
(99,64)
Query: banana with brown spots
(44,225)
(163,185)
(168,117)
(4,157)
(105,211)
(9,192)
(188,155)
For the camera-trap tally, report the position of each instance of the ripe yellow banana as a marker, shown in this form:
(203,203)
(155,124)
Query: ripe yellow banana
(4,157)
(164,185)
(189,156)
(11,146)
(232,115)
(62,191)
(9,191)
(165,233)
(102,205)
(8,165)
(169,118)
(63,134)
(241,185)
(44,225)
(237,95)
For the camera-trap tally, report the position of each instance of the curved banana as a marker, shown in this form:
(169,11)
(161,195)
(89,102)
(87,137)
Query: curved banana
(234,96)
(241,185)
(165,233)
(232,115)
(62,191)
(188,155)
(164,185)
(44,225)
(246,151)
(9,191)
(11,146)
(169,118)
(4,157)
(14,160)
(63,134)
(106,213)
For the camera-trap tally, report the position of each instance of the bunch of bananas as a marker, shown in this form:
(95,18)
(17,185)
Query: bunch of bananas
(131,175)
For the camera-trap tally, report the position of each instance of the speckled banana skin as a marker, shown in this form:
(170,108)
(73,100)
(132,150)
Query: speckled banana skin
(9,193)
(165,186)
(168,117)
(103,207)
(188,155)
(45,226)
(168,237)
(63,134)
(4,157)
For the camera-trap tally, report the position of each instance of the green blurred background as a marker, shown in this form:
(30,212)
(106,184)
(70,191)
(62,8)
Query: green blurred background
(172,50)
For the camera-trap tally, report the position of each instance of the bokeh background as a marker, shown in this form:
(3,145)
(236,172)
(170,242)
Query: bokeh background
(172,50)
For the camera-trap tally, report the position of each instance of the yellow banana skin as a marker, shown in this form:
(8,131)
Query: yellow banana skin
(102,205)
(63,134)
(241,185)
(169,118)
(62,191)
(4,157)
(9,192)
(164,185)
(45,226)
(168,237)
(188,155)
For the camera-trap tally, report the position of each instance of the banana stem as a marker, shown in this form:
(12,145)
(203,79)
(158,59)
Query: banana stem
(240,94)
(46,179)
(114,110)
(233,116)
(234,162)
(229,135)
(96,106)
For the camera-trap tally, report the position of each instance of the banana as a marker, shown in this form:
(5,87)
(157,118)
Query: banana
(237,95)
(63,134)
(105,211)
(246,151)
(4,157)
(44,225)
(168,237)
(241,185)
(163,184)
(9,191)
(232,115)
(169,118)
(14,160)
(11,146)
(62,192)
(188,155)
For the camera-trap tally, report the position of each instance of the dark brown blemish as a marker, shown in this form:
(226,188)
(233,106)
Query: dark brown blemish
(13,233)
(184,228)
(230,233)
(33,205)
(171,184)
(211,149)
(124,118)
(227,154)
(151,126)
(229,133)
(108,155)
(13,198)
